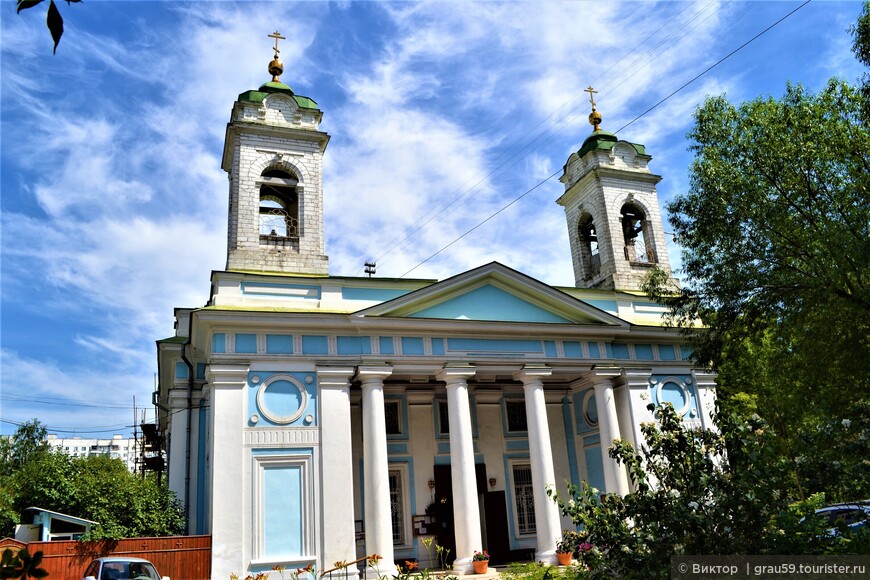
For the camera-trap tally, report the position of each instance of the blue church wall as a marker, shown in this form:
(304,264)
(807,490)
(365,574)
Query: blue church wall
(419,346)
(288,291)
(285,480)
(570,446)
(489,303)
(371,294)
(315,345)
(282,399)
(279,344)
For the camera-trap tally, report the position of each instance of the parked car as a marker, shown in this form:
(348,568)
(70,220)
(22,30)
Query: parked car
(119,568)
(855,516)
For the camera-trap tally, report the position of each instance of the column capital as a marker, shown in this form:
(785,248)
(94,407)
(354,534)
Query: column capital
(227,376)
(530,375)
(456,374)
(334,377)
(373,373)
(604,376)
(636,378)
(704,379)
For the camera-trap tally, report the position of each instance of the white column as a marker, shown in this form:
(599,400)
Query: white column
(541,456)
(229,552)
(466,512)
(339,542)
(615,479)
(376,476)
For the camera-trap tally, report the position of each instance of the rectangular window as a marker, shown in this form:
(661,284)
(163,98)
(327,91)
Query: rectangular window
(443,418)
(524,499)
(397,506)
(393,417)
(516,416)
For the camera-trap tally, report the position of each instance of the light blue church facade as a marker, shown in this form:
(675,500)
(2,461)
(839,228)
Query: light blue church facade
(312,418)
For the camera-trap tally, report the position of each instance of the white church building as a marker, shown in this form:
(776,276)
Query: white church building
(313,418)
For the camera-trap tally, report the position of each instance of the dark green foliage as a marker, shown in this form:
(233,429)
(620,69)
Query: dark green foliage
(96,488)
(699,492)
(21,564)
(775,231)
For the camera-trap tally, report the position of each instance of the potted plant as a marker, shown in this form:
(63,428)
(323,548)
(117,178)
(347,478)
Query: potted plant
(480,561)
(567,547)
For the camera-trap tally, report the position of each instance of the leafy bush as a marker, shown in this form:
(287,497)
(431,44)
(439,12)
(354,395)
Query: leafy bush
(698,492)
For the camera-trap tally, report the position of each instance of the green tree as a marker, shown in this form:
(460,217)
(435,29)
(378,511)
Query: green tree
(96,488)
(699,492)
(775,230)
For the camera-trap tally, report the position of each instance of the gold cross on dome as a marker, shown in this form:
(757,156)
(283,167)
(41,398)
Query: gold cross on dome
(589,90)
(276,35)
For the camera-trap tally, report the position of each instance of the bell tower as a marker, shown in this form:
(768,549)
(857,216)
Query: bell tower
(614,222)
(273,153)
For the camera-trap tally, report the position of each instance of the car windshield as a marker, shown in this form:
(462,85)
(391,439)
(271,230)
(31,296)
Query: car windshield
(128,571)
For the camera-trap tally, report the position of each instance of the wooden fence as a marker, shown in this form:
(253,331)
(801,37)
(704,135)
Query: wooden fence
(179,557)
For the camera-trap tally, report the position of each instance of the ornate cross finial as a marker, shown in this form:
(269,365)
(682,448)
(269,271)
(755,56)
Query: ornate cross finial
(594,116)
(588,89)
(276,67)
(276,35)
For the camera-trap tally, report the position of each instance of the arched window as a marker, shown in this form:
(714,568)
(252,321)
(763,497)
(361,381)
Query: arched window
(279,205)
(637,235)
(589,255)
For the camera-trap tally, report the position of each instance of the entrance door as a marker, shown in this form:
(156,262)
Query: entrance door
(445,535)
(497,538)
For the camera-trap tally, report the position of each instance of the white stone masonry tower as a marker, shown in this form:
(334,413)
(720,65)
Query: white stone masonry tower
(614,222)
(273,154)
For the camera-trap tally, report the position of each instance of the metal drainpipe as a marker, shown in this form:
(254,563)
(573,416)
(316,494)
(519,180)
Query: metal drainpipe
(190,378)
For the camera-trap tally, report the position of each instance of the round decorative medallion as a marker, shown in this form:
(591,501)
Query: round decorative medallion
(254,418)
(255,379)
(672,390)
(309,379)
(282,399)
(590,408)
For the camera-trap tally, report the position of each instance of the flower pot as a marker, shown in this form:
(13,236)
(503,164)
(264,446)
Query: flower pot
(480,566)
(564,558)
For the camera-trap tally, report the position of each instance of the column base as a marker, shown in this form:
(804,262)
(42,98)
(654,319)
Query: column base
(546,557)
(463,567)
(382,570)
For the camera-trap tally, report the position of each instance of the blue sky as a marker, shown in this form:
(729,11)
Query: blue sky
(114,203)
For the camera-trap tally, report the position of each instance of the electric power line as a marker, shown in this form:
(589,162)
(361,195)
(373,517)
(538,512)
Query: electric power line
(551,176)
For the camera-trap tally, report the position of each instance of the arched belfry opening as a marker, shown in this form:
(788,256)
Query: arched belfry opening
(590,256)
(637,235)
(279,206)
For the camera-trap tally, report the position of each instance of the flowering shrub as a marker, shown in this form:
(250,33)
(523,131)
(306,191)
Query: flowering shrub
(696,492)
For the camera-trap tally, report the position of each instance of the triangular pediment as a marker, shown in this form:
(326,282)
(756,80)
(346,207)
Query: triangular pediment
(493,293)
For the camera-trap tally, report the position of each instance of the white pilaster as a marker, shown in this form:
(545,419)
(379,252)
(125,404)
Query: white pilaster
(705,387)
(541,455)
(178,443)
(635,391)
(376,476)
(339,543)
(466,514)
(615,479)
(231,548)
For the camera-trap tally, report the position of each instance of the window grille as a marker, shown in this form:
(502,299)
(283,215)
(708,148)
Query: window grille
(525,499)
(397,507)
(516,416)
